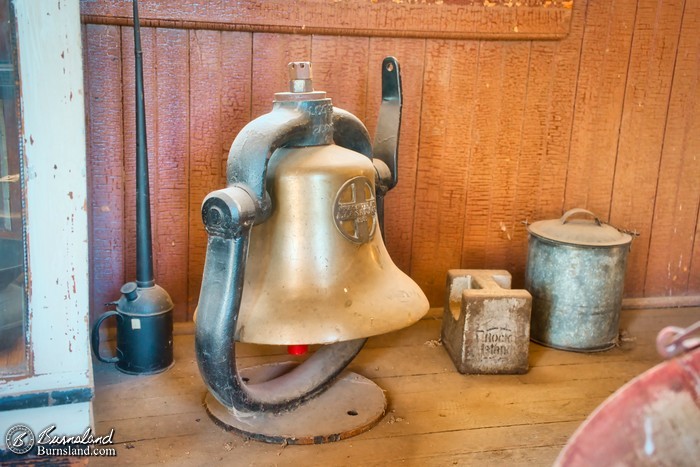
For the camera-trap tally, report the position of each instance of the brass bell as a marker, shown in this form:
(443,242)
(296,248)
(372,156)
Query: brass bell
(318,271)
(295,252)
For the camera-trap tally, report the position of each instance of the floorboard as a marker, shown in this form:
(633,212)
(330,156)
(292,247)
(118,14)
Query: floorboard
(435,416)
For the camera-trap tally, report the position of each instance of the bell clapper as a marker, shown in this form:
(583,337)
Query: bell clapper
(298,349)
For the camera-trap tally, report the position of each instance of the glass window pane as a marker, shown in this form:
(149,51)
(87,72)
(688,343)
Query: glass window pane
(13,353)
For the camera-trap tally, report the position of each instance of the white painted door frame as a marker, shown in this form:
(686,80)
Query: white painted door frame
(59,387)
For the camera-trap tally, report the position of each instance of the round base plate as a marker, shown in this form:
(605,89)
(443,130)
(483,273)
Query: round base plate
(351,405)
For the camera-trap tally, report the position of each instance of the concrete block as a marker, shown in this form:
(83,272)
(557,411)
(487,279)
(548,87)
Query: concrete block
(486,324)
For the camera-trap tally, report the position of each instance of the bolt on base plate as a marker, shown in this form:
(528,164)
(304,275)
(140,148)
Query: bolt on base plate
(352,405)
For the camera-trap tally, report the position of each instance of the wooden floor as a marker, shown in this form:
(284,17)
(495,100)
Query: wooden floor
(435,415)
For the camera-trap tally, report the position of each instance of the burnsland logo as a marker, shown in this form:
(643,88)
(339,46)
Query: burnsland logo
(45,437)
(20,439)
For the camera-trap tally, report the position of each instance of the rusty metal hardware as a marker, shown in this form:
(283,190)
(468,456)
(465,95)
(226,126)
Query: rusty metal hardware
(673,341)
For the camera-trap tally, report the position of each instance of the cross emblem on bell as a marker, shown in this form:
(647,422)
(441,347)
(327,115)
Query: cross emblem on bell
(355,210)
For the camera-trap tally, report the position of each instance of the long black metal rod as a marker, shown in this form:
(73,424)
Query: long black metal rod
(144,249)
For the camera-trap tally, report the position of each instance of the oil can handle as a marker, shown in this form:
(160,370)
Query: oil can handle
(574,211)
(96,337)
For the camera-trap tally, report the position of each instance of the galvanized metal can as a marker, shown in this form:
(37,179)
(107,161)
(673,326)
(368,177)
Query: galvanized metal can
(575,274)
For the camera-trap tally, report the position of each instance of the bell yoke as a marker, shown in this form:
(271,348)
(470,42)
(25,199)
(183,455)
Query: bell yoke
(295,253)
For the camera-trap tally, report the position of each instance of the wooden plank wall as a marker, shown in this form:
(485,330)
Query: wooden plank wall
(496,133)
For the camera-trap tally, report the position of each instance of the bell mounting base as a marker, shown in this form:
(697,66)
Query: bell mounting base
(351,405)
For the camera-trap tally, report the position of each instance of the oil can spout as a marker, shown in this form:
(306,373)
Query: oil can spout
(144,249)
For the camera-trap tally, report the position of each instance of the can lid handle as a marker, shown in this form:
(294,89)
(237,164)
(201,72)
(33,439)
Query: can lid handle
(574,211)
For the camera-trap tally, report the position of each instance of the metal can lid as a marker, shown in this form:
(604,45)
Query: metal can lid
(584,232)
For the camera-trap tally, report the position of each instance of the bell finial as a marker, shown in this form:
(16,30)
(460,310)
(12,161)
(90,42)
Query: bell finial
(300,77)
(300,86)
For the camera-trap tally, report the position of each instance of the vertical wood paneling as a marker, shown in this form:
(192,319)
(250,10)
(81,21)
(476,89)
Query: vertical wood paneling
(694,279)
(598,106)
(669,267)
(534,147)
(271,54)
(340,69)
(544,150)
(149,47)
(564,77)
(220,73)
(170,199)
(104,107)
(489,217)
(647,94)
(494,133)
(205,145)
(447,115)
(400,202)
(236,69)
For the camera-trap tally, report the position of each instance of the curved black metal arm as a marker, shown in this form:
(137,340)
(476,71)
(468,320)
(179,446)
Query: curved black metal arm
(350,133)
(229,215)
(386,138)
(252,149)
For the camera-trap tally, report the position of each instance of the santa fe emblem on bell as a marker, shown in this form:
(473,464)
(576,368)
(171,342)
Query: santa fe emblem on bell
(355,210)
